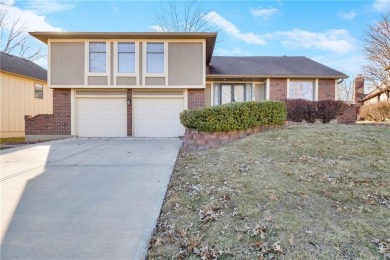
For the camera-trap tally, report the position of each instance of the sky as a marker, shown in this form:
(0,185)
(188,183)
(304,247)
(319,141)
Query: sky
(329,32)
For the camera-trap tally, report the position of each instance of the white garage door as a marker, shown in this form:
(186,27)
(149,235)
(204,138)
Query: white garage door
(101,117)
(157,117)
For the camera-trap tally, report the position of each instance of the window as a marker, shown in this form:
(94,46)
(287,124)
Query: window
(38,91)
(126,57)
(97,57)
(301,89)
(155,58)
(226,93)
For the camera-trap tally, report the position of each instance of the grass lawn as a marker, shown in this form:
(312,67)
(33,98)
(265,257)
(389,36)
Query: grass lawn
(303,192)
(12,140)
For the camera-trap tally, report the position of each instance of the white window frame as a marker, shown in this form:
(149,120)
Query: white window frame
(136,60)
(35,90)
(108,54)
(313,81)
(232,84)
(145,60)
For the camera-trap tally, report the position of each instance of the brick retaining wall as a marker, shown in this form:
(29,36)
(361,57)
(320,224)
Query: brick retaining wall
(198,140)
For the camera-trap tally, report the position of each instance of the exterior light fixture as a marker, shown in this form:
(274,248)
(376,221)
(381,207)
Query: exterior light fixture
(128,101)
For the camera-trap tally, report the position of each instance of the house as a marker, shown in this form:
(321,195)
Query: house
(377,95)
(136,84)
(23,91)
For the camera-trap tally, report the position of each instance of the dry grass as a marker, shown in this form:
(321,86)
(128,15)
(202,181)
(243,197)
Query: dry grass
(304,192)
(12,140)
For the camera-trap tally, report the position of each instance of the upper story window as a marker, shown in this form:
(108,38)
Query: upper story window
(303,89)
(126,57)
(97,57)
(237,92)
(155,57)
(38,90)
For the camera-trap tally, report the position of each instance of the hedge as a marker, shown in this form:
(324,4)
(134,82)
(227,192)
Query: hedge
(235,116)
(324,110)
(379,111)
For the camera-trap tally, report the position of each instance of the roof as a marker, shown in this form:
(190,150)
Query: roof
(210,37)
(20,66)
(374,93)
(285,66)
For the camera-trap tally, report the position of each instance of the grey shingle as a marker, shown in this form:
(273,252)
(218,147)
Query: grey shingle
(266,65)
(17,65)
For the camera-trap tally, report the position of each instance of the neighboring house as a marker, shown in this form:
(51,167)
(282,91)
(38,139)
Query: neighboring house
(377,95)
(23,91)
(136,84)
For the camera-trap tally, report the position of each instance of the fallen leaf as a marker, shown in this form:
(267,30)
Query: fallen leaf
(291,240)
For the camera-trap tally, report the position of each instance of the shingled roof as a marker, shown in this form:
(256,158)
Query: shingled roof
(20,66)
(270,66)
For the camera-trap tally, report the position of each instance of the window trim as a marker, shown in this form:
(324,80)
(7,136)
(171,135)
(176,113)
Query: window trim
(35,90)
(314,81)
(247,85)
(145,60)
(115,61)
(108,61)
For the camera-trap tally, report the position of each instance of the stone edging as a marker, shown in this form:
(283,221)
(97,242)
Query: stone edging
(198,140)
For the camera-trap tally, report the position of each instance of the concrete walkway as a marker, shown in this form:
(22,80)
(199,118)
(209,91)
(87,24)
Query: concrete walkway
(83,198)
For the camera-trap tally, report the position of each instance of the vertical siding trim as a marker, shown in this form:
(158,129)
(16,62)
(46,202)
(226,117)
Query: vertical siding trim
(186,99)
(267,88)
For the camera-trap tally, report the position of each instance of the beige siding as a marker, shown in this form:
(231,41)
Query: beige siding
(207,95)
(185,63)
(17,100)
(112,64)
(140,63)
(97,80)
(67,63)
(154,81)
(126,81)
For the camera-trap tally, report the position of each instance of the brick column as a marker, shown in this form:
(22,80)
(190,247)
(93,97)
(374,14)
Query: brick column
(195,98)
(359,88)
(130,113)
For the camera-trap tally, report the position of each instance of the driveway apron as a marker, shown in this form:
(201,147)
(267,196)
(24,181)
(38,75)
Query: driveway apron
(83,198)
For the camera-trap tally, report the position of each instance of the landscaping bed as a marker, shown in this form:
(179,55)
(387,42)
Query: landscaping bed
(301,192)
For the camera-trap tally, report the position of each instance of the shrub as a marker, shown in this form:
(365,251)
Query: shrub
(379,111)
(302,109)
(295,109)
(235,116)
(329,109)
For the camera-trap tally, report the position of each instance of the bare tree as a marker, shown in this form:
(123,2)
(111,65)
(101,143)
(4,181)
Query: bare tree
(377,52)
(188,16)
(345,90)
(14,36)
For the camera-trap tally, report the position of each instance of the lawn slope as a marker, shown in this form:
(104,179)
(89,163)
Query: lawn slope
(304,192)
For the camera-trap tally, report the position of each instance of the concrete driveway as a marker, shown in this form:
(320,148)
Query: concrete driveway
(83,198)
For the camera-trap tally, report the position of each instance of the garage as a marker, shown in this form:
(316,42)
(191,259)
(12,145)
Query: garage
(101,114)
(157,113)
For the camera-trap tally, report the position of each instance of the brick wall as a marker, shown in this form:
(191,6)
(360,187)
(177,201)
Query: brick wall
(129,113)
(278,89)
(195,98)
(326,89)
(57,123)
(349,116)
